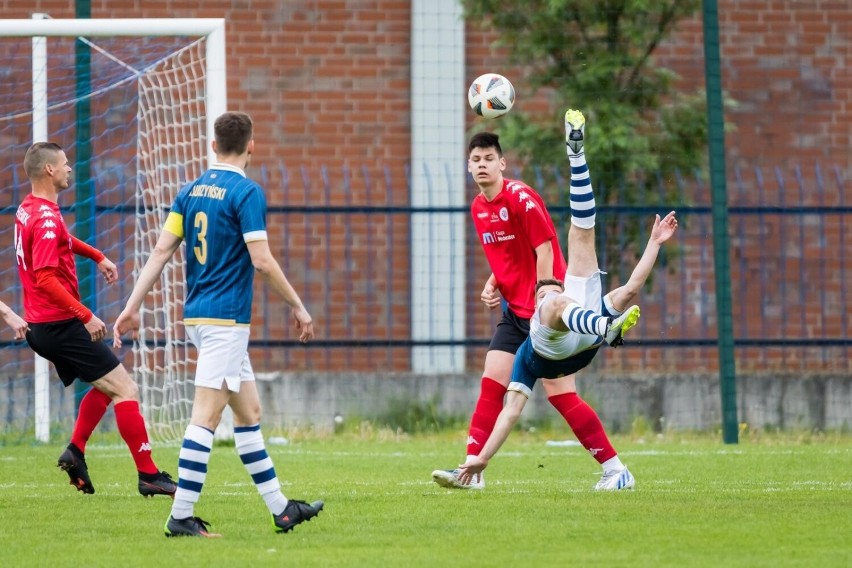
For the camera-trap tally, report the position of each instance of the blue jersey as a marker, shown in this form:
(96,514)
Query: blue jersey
(217,215)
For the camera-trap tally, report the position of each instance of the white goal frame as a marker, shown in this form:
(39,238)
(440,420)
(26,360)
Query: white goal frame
(39,28)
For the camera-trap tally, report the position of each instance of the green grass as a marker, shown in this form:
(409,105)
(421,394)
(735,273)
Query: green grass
(783,500)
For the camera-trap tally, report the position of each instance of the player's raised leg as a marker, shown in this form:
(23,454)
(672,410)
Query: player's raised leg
(582,258)
(583,263)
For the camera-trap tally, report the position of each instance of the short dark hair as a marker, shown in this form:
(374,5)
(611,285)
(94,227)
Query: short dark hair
(39,155)
(233,132)
(548,282)
(485,140)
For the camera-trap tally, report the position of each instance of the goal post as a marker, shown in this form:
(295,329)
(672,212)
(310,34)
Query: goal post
(178,96)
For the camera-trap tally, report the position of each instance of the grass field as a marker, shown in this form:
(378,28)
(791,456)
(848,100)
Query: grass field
(780,501)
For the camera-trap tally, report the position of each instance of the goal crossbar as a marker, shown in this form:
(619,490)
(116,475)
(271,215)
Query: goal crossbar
(112,27)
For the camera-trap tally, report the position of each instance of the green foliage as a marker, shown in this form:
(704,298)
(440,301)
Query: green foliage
(597,56)
(415,417)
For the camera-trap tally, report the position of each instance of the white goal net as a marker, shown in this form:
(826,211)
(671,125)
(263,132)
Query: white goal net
(135,119)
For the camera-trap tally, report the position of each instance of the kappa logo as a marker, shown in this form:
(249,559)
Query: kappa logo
(49,235)
(46,214)
(529,205)
(504,214)
(48,224)
(145,447)
(472,440)
(594,451)
(44,208)
(488,238)
(19,248)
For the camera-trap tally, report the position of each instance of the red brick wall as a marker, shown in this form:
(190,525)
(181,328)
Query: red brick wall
(327,83)
(787,66)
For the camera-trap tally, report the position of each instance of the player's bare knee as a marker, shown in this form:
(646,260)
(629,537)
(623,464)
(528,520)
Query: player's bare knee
(247,417)
(551,312)
(498,366)
(118,385)
(561,385)
(208,417)
(129,390)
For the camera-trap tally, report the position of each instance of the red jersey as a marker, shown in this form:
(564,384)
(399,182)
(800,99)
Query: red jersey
(42,240)
(510,227)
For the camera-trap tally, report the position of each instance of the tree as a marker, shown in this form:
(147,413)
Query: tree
(596,55)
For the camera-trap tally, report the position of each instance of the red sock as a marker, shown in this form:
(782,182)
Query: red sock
(585,423)
(131,426)
(93,406)
(485,414)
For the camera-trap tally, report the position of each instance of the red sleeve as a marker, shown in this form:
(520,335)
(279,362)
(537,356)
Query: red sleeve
(533,217)
(49,284)
(84,249)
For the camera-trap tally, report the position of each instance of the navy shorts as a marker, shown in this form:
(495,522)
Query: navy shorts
(68,345)
(511,331)
(530,366)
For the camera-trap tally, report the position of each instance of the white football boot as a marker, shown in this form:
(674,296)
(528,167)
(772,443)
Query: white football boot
(449,478)
(616,480)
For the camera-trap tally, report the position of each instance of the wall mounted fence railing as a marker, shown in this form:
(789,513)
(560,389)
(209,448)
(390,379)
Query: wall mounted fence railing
(344,239)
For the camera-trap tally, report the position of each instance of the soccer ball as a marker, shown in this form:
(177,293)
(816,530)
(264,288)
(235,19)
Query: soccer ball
(491,95)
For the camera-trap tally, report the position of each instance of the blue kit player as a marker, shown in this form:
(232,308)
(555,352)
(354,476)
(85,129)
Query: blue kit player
(222,218)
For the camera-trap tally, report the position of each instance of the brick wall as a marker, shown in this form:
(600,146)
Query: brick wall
(787,66)
(327,84)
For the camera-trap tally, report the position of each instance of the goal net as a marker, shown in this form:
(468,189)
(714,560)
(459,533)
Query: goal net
(132,104)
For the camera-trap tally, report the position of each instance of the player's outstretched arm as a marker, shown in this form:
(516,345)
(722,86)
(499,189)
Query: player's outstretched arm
(128,320)
(13,320)
(268,267)
(661,232)
(515,403)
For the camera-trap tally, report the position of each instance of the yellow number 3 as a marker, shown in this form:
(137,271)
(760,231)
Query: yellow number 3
(200,249)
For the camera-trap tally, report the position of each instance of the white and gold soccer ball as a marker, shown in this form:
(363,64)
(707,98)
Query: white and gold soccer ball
(491,95)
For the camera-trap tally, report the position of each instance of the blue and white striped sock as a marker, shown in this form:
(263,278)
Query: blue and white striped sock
(582,198)
(252,452)
(580,320)
(192,469)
